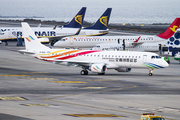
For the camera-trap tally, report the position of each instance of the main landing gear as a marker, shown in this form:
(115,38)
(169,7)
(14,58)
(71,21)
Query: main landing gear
(150,72)
(84,72)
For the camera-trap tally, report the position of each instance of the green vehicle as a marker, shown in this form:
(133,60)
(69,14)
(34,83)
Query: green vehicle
(167,59)
(177,57)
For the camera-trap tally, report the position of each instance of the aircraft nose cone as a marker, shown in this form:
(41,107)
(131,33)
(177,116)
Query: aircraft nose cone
(165,64)
(56,43)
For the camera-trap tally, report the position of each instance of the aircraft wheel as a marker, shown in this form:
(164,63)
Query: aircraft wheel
(6,43)
(52,43)
(150,74)
(84,72)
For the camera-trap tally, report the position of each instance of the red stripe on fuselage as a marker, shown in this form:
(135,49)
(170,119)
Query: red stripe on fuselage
(77,54)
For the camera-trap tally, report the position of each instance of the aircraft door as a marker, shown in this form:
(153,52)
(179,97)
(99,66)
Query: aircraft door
(144,58)
(71,40)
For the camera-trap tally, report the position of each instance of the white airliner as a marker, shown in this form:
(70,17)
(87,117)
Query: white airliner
(89,42)
(93,60)
(46,33)
(132,46)
(144,47)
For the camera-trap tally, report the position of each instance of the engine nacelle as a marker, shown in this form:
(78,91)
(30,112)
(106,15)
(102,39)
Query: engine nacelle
(123,69)
(128,44)
(98,68)
(44,40)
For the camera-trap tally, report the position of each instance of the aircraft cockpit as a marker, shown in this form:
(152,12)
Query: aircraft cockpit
(155,57)
(1,32)
(62,39)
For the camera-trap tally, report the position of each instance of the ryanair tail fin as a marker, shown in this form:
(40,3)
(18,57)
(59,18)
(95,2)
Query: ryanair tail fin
(77,21)
(31,41)
(102,22)
(171,29)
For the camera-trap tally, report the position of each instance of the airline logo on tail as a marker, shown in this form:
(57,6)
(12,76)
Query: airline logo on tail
(103,20)
(29,38)
(175,39)
(174,28)
(171,29)
(78,19)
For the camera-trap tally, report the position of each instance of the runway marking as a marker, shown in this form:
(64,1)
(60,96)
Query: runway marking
(13,75)
(92,87)
(42,78)
(37,104)
(91,106)
(35,72)
(68,82)
(39,72)
(12,98)
(93,115)
(101,80)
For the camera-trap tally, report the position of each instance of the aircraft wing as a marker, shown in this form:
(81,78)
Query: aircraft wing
(137,44)
(26,52)
(54,39)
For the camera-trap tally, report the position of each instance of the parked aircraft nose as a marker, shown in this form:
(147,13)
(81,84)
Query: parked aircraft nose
(165,64)
(56,43)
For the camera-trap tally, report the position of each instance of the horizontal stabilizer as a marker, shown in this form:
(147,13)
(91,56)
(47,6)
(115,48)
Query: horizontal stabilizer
(26,52)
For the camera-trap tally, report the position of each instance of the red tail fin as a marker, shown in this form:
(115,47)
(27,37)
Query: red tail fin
(137,39)
(171,29)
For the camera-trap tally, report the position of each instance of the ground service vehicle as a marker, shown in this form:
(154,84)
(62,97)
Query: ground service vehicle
(151,116)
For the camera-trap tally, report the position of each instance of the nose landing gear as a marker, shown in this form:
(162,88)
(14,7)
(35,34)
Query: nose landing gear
(150,72)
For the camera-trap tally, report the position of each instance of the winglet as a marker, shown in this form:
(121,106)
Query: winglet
(31,40)
(171,29)
(77,21)
(137,39)
(102,22)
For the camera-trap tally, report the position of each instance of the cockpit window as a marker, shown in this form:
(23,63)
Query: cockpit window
(62,39)
(157,57)
(152,57)
(1,32)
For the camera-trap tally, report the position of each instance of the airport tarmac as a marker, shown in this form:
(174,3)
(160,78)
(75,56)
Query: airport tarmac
(31,89)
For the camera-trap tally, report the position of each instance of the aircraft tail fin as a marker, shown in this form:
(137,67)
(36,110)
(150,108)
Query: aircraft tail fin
(171,29)
(77,21)
(31,40)
(102,22)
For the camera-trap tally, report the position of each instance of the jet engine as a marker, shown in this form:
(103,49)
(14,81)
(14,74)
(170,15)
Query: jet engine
(123,69)
(44,40)
(98,68)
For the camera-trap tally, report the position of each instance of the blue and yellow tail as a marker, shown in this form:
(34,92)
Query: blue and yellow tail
(102,22)
(77,21)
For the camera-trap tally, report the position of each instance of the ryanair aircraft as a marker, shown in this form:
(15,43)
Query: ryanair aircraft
(92,60)
(45,33)
(56,33)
